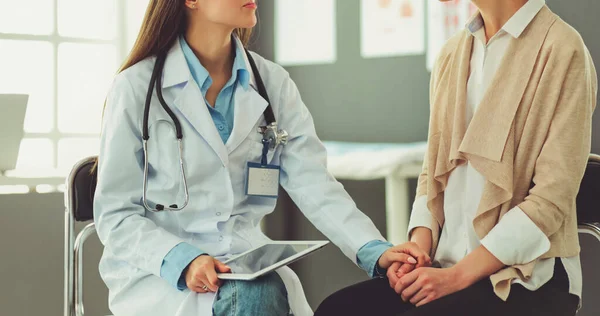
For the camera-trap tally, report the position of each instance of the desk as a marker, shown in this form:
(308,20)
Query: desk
(395,163)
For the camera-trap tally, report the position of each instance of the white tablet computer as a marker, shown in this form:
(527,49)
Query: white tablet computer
(268,257)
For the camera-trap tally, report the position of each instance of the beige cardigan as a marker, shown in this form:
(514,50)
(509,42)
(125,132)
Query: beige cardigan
(530,136)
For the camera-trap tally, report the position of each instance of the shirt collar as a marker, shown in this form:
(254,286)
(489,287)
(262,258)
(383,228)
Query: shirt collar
(517,24)
(239,64)
(239,71)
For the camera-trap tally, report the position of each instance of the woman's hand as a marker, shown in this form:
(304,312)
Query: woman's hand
(397,270)
(201,275)
(424,285)
(406,253)
(422,238)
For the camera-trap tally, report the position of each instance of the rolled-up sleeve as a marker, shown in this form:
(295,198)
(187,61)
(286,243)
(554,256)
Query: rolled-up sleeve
(368,257)
(176,262)
(516,239)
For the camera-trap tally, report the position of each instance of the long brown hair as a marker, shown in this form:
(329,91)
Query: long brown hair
(163,22)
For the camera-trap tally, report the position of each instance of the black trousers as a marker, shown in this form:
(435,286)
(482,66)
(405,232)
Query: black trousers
(375,297)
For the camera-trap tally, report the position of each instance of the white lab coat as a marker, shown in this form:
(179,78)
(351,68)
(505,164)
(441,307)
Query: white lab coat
(220,219)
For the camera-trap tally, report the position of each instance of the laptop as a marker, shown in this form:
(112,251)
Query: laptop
(12,118)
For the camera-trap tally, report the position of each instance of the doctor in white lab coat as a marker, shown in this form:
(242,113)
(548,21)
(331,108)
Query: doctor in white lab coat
(143,249)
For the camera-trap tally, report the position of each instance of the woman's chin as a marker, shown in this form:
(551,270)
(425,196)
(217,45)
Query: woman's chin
(248,22)
(248,25)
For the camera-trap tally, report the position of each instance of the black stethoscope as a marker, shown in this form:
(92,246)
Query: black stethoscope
(272,137)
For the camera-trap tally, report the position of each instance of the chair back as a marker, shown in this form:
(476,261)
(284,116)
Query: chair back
(588,199)
(81,188)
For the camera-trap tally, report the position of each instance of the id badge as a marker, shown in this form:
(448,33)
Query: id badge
(262,180)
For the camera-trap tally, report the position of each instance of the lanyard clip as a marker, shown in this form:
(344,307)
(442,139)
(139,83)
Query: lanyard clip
(265,150)
(273,136)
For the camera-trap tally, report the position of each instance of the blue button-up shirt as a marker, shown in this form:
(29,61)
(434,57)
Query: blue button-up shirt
(176,261)
(222,111)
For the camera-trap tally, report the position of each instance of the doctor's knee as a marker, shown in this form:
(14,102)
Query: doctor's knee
(263,296)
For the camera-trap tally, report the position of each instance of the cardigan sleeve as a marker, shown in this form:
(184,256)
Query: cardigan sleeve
(422,179)
(420,215)
(562,161)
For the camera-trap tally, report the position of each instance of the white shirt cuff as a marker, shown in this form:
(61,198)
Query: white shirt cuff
(420,215)
(516,239)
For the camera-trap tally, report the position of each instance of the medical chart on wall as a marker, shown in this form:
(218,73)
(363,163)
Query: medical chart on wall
(444,20)
(305,32)
(392,28)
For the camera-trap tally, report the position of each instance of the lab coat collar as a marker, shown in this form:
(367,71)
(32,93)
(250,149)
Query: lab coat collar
(248,109)
(176,70)
(190,101)
(249,106)
(239,71)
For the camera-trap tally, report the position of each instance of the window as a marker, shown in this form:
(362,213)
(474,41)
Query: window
(64,54)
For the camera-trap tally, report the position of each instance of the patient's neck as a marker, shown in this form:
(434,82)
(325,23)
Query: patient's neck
(496,13)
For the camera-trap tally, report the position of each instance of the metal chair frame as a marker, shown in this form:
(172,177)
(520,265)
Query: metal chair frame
(73,277)
(590,229)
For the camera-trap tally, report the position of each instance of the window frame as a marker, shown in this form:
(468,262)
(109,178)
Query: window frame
(120,42)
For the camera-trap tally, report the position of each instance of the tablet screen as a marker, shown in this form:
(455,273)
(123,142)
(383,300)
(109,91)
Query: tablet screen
(264,257)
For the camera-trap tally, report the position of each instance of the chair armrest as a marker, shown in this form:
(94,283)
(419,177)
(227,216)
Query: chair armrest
(590,228)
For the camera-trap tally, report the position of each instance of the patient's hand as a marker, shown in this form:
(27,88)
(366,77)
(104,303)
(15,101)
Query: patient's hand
(424,285)
(398,270)
(402,259)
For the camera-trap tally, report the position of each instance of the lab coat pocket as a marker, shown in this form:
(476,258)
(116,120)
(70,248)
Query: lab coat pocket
(165,182)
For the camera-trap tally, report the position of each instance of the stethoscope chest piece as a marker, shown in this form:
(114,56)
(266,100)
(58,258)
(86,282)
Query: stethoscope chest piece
(274,136)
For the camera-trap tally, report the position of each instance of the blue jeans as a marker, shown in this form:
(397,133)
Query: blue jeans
(265,296)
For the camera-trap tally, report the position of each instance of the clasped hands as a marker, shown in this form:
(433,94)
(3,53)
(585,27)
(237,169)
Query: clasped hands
(410,274)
